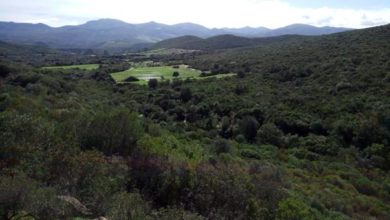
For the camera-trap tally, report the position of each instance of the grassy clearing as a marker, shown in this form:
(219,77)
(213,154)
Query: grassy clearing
(83,67)
(144,74)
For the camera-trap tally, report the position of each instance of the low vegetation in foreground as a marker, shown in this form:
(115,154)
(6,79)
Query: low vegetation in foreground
(301,132)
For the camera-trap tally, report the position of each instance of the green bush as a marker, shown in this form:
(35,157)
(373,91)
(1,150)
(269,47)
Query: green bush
(270,134)
(293,209)
(152,83)
(24,79)
(248,127)
(185,94)
(114,132)
(126,206)
(22,196)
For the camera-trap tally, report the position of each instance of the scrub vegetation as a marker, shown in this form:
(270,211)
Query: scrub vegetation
(301,131)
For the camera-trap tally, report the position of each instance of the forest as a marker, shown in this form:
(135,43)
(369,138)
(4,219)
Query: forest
(300,131)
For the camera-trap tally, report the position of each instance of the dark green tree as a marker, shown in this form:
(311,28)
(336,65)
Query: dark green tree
(152,83)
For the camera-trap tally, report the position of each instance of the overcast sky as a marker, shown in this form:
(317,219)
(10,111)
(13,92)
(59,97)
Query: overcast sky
(210,13)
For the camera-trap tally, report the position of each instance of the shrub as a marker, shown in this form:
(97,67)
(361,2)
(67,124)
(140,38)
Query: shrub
(25,79)
(270,134)
(222,146)
(240,74)
(249,153)
(293,209)
(113,132)
(175,74)
(320,144)
(4,70)
(22,196)
(152,83)
(174,213)
(185,94)
(127,206)
(131,79)
(240,89)
(248,127)
(226,129)
(88,175)
(365,186)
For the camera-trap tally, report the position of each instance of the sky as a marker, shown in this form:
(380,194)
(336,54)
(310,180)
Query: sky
(210,13)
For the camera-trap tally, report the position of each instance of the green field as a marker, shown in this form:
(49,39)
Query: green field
(144,74)
(83,67)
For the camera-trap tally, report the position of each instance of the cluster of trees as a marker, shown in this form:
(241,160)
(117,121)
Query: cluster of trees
(289,138)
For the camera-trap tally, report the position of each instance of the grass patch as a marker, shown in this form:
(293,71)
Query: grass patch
(83,67)
(144,74)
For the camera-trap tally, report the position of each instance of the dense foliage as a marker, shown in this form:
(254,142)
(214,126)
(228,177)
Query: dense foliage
(302,132)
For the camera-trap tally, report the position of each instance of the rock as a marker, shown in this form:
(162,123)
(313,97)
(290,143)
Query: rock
(76,204)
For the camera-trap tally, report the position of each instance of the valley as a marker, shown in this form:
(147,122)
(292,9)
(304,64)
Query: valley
(211,127)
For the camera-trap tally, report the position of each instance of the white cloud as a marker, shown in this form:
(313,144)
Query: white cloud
(211,13)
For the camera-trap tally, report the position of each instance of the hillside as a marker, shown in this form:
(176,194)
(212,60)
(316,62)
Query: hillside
(212,43)
(353,50)
(222,42)
(298,128)
(303,29)
(114,34)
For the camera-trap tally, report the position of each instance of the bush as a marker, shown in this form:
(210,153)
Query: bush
(175,74)
(222,146)
(25,79)
(240,89)
(173,213)
(240,74)
(127,206)
(294,209)
(270,134)
(226,129)
(248,127)
(320,144)
(89,175)
(22,196)
(185,94)
(114,132)
(249,153)
(152,83)
(365,186)
(131,79)
(4,70)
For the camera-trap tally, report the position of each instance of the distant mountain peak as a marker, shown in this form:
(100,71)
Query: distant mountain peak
(104,23)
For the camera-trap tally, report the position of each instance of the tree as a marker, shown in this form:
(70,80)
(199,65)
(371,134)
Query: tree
(270,134)
(248,127)
(240,89)
(185,94)
(4,70)
(152,83)
(240,74)
(175,74)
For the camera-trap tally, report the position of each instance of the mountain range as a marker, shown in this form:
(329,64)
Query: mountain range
(114,34)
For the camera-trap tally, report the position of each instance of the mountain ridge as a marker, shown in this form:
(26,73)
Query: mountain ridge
(95,33)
